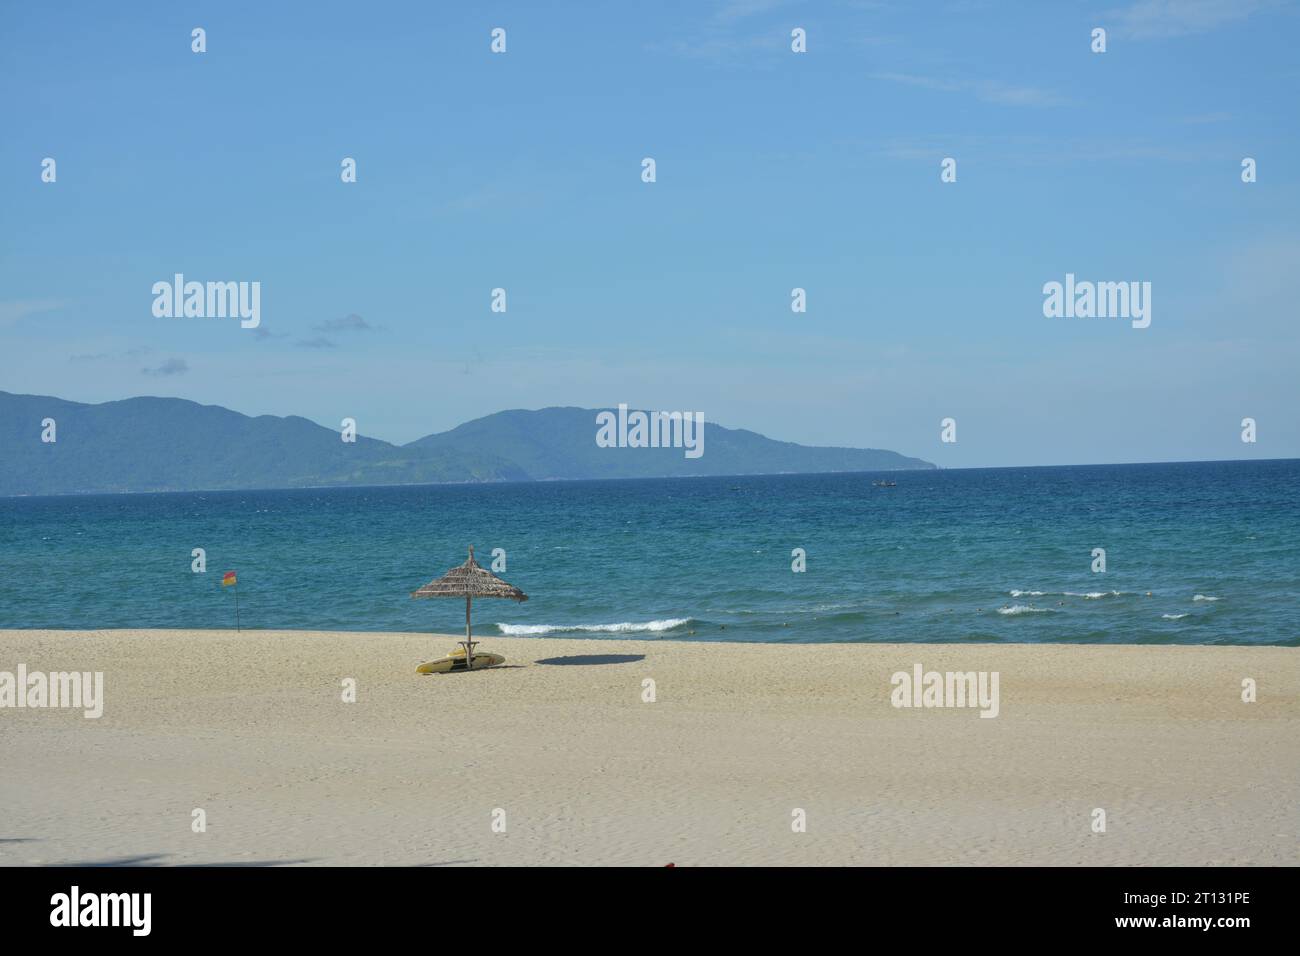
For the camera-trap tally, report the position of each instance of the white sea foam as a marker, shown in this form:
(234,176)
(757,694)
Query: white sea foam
(1173,617)
(1204,597)
(1023,609)
(1087,595)
(623,627)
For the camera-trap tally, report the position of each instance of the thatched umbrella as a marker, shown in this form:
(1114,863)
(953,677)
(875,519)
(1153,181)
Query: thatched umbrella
(469,581)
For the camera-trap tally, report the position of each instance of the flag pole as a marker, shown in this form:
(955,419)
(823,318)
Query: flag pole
(236,605)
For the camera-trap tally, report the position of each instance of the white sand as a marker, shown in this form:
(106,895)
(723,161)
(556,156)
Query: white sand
(252,729)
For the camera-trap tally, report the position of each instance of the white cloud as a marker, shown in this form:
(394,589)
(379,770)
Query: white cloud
(1156,19)
(990,91)
(718,48)
(740,9)
(13,311)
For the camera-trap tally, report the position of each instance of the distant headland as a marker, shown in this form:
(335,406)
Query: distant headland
(51,446)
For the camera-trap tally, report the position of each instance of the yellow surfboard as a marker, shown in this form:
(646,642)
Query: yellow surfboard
(455,661)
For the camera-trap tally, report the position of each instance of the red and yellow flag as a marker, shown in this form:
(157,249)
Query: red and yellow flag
(228,579)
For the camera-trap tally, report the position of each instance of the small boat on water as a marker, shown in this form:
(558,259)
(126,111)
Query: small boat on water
(884,484)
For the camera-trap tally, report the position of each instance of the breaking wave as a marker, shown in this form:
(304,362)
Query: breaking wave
(1087,595)
(623,627)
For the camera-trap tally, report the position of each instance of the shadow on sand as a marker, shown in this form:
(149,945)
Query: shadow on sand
(157,859)
(448,863)
(595,659)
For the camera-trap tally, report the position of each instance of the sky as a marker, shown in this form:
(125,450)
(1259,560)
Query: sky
(775,170)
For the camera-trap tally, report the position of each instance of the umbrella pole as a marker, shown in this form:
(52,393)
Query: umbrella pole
(469,642)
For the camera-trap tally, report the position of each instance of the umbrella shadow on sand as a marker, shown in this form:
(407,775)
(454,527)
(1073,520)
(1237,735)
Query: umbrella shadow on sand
(594,659)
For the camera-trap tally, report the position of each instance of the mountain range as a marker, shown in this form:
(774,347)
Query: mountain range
(170,444)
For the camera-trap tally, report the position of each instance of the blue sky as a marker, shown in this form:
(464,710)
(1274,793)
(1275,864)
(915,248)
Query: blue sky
(775,170)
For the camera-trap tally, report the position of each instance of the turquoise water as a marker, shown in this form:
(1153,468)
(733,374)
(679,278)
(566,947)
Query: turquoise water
(968,555)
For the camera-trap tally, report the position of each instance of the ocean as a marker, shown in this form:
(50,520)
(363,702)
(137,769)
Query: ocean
(1195,553)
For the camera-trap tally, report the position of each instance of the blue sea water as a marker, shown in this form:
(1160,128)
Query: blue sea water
(1196,553)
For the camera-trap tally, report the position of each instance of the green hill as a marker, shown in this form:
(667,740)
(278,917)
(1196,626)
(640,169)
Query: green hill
(170,444)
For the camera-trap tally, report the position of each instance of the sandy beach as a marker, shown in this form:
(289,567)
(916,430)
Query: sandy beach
(561,748)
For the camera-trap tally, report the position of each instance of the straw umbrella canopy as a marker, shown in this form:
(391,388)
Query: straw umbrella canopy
(469,581)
